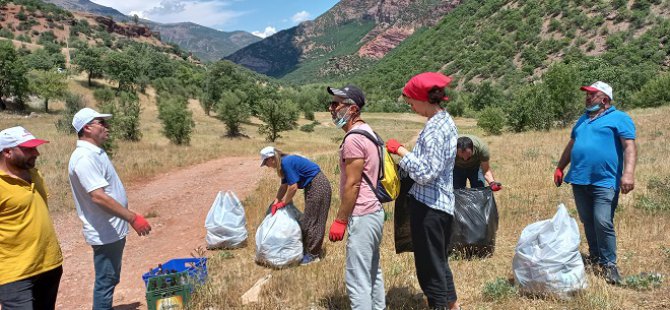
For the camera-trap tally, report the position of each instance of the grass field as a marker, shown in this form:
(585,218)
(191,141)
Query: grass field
(523,162)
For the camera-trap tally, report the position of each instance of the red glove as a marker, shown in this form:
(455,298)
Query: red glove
(558,177)
(392,146)
(277,206)
(140,225)
(337,230)
(495,186)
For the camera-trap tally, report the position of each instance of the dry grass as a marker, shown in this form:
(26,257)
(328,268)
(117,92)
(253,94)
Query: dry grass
(524,163)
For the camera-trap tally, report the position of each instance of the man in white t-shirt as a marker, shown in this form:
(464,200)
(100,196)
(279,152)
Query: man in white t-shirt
(102,204)
(360,211)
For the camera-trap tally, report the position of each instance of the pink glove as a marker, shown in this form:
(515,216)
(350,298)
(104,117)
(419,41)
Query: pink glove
(558,177)
(392,146)
(337,230)
(495,186)
(140,225)
(277,206)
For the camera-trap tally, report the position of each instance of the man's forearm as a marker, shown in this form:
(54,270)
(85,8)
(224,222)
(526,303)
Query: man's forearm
(565,156)
(111,206)
(630,158)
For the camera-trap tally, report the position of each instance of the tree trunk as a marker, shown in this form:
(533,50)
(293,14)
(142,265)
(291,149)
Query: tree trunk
(46,105)
(89,78)
(3,106)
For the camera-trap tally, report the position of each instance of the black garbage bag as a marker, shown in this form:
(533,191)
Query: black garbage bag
(475,222)
(402,233)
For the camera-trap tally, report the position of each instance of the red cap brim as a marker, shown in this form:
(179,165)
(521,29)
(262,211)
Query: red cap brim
(589,89)
(33,143)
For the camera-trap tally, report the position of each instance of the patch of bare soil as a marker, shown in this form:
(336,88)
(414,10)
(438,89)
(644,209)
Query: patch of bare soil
(181,200)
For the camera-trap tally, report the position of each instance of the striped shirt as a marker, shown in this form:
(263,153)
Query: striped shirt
(431,163)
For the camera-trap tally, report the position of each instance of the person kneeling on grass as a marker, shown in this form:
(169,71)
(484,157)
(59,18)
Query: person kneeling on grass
(297,172)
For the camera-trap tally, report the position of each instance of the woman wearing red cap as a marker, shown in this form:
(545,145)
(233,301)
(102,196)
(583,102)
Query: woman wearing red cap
(431,199)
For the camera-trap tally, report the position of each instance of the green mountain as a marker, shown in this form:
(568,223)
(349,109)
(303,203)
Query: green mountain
(206,43)
(345,39)
(510,43)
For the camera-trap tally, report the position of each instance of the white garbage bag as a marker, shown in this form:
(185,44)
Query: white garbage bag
(547,258)
(226,222)
(279,239)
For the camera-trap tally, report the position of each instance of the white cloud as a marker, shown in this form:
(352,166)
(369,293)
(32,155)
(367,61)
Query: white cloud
(300,17)
(210,13)
(269,30)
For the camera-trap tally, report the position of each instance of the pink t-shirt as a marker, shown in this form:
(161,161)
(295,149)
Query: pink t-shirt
(359,146)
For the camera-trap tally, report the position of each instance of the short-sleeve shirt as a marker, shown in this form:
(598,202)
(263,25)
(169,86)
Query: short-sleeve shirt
(28,242)
(480,153)
(597,153)
(358,146)
(91,169)
(298,169)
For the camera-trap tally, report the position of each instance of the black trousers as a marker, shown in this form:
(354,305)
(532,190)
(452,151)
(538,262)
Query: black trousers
(37,292)
(431,232)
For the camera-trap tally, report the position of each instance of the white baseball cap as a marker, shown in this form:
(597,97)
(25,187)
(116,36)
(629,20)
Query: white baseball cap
(266,153)
(599,86)
(85,116)
(18,136)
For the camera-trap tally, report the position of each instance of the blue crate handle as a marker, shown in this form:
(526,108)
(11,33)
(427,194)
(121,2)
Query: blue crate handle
(196,267)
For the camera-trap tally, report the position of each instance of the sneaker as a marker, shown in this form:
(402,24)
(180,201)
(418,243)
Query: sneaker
(308,259)
(611,274)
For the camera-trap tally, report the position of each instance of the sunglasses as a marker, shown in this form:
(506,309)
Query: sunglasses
(100,122)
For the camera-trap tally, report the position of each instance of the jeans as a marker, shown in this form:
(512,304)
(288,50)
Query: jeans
(107,262)
(363,277)
(37,292)
(462,175)
(596,206)
(431,232)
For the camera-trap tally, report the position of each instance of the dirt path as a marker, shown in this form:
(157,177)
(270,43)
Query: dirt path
(181,200)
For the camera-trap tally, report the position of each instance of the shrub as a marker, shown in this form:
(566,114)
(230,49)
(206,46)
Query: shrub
(73,103)
(643,281)
(654,93)
(498,289)
(232,110)
(128,116)
(492,120)
(309,127)
(176,118)
(277,116)
(658,196)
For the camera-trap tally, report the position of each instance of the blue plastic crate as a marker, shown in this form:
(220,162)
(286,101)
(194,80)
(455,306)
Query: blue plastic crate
(196,268)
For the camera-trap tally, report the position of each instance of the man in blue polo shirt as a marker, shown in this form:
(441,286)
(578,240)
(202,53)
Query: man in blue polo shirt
(602,154)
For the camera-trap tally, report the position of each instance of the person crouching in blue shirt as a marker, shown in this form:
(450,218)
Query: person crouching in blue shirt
(602,155)
(297,172)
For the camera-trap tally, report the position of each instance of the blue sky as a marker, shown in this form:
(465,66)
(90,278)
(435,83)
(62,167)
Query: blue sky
(260,17)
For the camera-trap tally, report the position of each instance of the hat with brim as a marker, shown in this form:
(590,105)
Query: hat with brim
(19,136)
(266,153)
(599,87)
(351,92)
(85,116)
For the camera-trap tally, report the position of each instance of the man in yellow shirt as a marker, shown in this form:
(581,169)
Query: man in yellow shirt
(30,256)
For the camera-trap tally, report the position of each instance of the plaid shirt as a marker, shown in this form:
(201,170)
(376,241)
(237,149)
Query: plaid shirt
(431,163)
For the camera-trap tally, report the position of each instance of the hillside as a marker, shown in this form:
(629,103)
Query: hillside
(514,42)
(347,37)
(90,7)
(206,43)
(35,23)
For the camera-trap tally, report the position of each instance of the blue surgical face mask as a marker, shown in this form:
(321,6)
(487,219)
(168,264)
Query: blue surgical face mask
(593,108)
(342,118)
